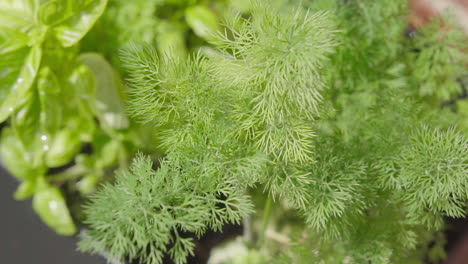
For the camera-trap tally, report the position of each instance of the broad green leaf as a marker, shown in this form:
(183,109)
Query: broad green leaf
(25,190)
(246,5)
(18,70)
(203,21)
(27,137)
(82,84)
(108,155)
(11,40)
(17,159)
(17,14)
(88,183)
(26,120)
(49,204)
(84,124)
(51,103)
(106,150)
(179,2)
(462,106)
(60,60)
(71,19)
(65,144)
(109,92)
(171,39)
(85,161)
(81,93)
(18,25)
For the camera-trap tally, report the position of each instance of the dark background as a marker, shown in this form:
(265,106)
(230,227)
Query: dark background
(24,239)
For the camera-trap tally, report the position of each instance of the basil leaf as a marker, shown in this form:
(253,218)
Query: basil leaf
(108,155)
(11,39)
(109,92)
(51,104)
(81,94)
(26,120)
(18,25)
(462,107)
(71,19)
(49,204)
(82,81)
(18,70)
(84,125)
(179,2)
(203,21)
(171,39)
(17,14)
(17,159)
(88,183)
(25,190)
(64,146)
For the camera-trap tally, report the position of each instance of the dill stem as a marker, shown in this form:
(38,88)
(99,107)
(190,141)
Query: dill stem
(68,174)
(266,219)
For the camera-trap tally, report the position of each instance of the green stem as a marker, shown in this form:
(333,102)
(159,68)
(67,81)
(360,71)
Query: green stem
(247,225)
(69,174)
(266,219)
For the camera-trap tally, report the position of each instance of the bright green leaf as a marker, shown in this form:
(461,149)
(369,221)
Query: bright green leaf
(108,154)
(88,184)
(17,14)
(25,190)
(18,70)
(17,159)
(50,100)
(65,145)
(71,19)
(109,104)
(18,25)
(171,39)
(83,124)
(49,204)
(202,20)
(11,40)
(462,106)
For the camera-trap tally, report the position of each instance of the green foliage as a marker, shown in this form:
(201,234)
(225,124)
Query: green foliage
(219,113)
(280,90)
(323,106)
(441,60)
(173,26)
(49,204)
(50,99)
(430,173)
(337,187)
(153,210)
(317,108)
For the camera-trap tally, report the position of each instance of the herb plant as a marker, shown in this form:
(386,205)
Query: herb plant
(55,100)
(317,120)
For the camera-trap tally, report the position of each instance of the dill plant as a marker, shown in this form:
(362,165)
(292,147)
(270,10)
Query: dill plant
(321,105)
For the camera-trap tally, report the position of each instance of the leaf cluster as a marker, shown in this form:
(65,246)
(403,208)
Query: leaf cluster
(325,120)
(55,101)
(225,122)
(152,211)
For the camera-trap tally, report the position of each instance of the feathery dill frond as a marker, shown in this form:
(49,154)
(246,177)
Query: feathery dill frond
(372,37)
(264,89)
(366,185)
(147,101)
(441,58)
(180,96)
(432,172)
(337,190)
(276,63)
(146,212)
